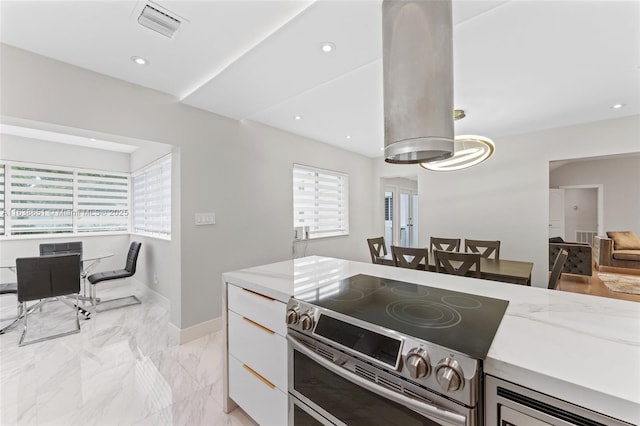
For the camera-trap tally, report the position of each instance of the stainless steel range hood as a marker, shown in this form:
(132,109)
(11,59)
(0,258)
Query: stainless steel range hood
(417,60)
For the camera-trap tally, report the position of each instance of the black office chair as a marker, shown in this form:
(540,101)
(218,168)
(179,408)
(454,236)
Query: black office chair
(128,271)
(43,278)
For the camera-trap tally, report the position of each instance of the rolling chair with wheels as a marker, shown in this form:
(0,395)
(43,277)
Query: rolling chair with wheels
(128,271)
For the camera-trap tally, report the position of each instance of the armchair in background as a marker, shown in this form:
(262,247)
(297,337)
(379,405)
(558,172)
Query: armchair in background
(579,256)
(618,250)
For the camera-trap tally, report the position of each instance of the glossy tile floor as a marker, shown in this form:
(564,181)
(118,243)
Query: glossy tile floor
(121,369)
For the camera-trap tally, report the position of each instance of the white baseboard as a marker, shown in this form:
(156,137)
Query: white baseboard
(181,335)
(200,330)
(151,294)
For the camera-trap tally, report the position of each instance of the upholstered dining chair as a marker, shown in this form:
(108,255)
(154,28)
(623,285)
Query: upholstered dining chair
(72,247)
(445,244)
(556,271)
(128,271)
(456,263)
(377,249)
(410,257)
(486,248)
(10,288)
(44,278)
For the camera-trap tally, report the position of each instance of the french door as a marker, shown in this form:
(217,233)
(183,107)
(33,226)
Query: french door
(401,217)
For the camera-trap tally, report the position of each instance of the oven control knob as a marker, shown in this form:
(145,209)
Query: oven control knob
(293,316)
(418,363)
(449,375)
(306,321)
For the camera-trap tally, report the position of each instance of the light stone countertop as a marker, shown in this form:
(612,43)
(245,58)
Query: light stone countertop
(579,348)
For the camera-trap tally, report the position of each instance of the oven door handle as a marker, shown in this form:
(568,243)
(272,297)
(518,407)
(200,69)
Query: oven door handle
(418,406)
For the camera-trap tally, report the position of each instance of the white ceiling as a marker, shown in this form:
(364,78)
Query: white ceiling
(520,66)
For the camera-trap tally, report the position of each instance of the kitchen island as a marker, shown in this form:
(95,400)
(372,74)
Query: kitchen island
(577,348)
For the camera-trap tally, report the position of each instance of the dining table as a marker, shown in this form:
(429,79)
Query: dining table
(88,261)
(504,270)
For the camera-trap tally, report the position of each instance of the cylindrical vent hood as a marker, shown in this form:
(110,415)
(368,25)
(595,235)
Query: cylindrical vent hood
(417,59)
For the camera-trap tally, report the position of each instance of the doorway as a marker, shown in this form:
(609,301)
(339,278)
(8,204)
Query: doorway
(400,212)
(575,212)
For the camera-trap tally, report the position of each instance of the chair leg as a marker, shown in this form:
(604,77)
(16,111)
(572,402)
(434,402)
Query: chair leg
(116,303)
(22,341)
(24,322)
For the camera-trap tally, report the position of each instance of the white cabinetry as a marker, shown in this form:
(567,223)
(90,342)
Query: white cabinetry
(257,355)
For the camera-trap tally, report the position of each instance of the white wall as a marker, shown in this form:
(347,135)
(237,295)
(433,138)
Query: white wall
(580,211)
(507,198)
(240,171)
(620,178)
(15,148)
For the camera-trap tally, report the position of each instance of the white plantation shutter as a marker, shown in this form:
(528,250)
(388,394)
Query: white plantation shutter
(102,202)
(320,201)
(152,199)
(41,200)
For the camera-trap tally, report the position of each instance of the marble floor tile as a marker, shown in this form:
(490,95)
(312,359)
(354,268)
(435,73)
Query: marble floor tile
(123,368)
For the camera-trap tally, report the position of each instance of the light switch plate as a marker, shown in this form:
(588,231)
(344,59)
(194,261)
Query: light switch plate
(205,218)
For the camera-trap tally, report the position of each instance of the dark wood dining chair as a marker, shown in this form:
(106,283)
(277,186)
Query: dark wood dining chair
(556,271)
(487,248)
(456,263)
(410,257)
(377,249)
(445,244)
(44,278)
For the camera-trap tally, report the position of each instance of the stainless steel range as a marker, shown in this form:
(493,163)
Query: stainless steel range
(370,350)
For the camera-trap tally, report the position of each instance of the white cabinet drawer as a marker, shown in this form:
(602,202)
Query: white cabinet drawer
(262,349)
(264,310)
(265,403)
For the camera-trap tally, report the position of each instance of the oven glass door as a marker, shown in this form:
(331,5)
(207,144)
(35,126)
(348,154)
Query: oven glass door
(344,402)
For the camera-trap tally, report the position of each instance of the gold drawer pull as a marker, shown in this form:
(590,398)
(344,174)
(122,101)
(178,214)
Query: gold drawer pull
(262,379)
(258,325)
(258,294)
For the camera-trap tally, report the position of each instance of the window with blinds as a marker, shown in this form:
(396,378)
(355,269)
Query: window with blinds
(152,199)
(102,202)
(320,201)
(41,200)
(38,199)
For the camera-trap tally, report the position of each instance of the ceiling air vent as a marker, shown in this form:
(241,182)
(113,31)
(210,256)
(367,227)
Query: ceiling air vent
(157,20)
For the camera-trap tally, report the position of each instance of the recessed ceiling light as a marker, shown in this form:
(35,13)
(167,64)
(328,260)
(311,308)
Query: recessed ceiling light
(92,139)
(617,106)
(298,117)
(348,136)
(327,47)
(382,148)
(140,61)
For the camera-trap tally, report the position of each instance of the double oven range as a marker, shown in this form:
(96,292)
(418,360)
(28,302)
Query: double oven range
(374,351)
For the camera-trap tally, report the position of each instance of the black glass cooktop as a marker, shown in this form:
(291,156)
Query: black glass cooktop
(462,322)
